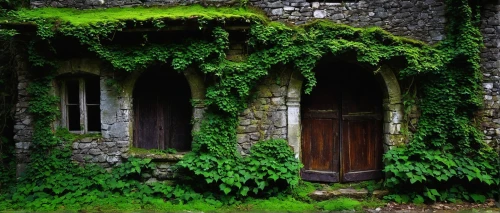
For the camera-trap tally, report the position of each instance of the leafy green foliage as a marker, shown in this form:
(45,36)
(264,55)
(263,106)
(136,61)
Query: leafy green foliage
(12,4)
(8,89)
(73,187)
(270,167)
(447,158)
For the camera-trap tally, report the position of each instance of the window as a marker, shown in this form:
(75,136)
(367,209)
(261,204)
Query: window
(80,103)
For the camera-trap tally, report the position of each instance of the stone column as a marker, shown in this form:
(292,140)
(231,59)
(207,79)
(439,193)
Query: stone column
(198,112)
(23,127)
(294,127)
(293,112)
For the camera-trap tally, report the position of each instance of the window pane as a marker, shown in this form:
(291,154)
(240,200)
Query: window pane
(72,91)
(92,91)
(94,118)
(74,118)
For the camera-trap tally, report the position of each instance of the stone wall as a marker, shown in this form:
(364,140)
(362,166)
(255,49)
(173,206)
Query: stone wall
(422,20)
(265,117)
(490,28)
(23,126)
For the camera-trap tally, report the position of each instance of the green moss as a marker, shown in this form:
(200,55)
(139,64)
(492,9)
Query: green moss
(202,205)
(368,185)
(65,135)
(158,152)
(341,204)
(88,17)
(274,204)
(303,189)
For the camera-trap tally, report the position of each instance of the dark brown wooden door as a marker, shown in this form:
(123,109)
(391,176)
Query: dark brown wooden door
(342,127)
(320,132)
(162,111)
(361,127)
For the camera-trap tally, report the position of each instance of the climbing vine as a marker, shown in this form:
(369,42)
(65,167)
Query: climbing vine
(446,150)
(447,159)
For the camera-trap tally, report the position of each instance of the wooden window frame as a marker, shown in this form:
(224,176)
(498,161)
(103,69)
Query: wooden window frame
(82,105)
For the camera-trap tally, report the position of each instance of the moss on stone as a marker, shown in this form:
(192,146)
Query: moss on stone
(93,16)
(155,154)
(65,135)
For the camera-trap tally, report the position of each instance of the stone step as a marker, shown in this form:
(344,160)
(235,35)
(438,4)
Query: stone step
(320,195)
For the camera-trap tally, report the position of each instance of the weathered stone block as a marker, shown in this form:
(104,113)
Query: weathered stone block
(280,118)
(319,13)
(242,138)
(277,12)
(119,130)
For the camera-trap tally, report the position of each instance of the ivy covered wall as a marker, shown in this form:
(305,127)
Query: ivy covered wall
(422,20)
(443,81)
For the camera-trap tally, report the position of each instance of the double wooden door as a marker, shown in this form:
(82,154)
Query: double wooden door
(342,127)
(162,111)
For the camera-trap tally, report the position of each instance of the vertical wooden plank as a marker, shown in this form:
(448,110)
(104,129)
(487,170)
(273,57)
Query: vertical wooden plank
(146,116)
(306,143)
(83,114)
(160,123)
(322,145)
(64,107)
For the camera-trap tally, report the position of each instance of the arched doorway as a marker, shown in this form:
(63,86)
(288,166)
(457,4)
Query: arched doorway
(342,125)
(162,111)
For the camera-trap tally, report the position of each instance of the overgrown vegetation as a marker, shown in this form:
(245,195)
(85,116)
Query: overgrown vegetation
(446,150)
(447,159)
(8,87)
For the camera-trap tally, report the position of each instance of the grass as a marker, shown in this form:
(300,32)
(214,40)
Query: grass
(88,17)
(340,204)
(297,201)
(274,204)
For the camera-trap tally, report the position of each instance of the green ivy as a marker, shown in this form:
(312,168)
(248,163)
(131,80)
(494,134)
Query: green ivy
(446,151)
(447,159)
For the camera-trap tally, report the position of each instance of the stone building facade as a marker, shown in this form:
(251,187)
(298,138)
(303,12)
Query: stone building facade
(490,28)
(275,112)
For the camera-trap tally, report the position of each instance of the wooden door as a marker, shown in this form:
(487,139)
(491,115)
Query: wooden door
(342,127)
(361,127)
(148,121)
(162,111)
(320,131)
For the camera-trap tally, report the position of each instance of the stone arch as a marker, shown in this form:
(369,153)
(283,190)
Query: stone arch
(80,66)
(392,106)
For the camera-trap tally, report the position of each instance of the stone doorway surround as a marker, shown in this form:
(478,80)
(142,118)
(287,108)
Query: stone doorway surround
(196,85)
(392,107)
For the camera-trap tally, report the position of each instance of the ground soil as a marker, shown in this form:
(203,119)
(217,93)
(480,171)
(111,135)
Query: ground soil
(488,206)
